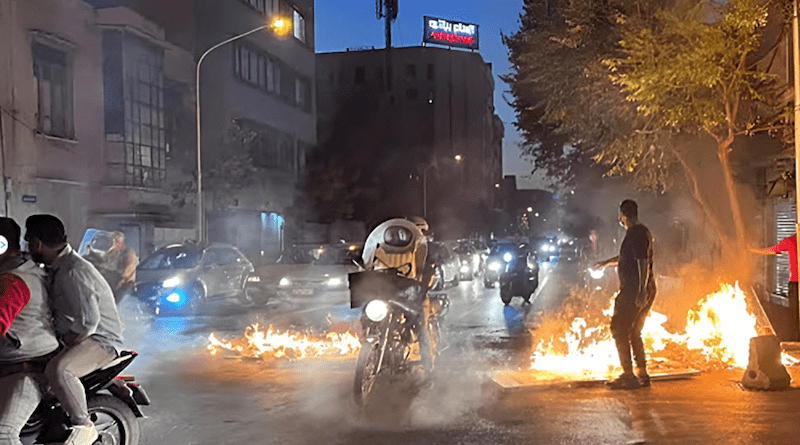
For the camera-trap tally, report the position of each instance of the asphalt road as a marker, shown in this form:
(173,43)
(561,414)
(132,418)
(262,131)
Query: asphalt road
(203,399)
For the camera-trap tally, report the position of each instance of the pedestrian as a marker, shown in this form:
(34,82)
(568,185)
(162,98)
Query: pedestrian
(117,265)
(788,244)
(637,290)
(27,337)
(85,319)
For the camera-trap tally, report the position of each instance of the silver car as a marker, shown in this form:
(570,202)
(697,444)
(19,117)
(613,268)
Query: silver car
(184,276)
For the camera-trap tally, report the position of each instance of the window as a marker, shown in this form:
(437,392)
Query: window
(250,66)
(273,77)
(258,5)
(411,72)
(270,74)
(270,148)
(54,91)
(302,93)
(145,132)
(298,26)
(257,69)
(360,75)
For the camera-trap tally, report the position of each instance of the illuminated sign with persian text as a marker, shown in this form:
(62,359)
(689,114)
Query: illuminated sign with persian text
(446,32)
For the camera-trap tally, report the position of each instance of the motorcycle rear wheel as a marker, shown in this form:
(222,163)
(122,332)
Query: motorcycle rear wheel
(366,372)
(114,420)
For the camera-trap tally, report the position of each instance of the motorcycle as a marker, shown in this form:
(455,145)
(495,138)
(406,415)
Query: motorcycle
(518,273)
(113,402)
(393,321)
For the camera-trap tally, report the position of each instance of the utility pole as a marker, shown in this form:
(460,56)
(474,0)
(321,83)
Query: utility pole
(387,10)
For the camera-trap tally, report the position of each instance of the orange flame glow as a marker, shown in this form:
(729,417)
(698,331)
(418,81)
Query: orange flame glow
(270,343)
(719,327)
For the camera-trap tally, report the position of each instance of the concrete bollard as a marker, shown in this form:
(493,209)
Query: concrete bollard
(765,370)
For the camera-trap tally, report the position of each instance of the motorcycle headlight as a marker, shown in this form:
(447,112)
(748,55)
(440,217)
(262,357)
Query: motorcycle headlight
(171,282)
(507,257)
(596,273)
(494,266)
(376,310)
(284,282)
(465,268)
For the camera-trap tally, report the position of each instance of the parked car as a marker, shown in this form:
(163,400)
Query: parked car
(446,265)
(182,277)
(306,270)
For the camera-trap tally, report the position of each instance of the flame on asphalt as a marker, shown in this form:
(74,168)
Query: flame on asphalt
(719,328)
(271,343)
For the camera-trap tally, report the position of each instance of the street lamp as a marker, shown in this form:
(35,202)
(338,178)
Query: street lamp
(457,158)
(281,27)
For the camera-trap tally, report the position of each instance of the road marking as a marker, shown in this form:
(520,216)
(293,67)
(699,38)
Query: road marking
(658,423)
(539,289)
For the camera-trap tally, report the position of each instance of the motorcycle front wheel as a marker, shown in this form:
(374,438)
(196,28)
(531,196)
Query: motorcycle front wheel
(115,422)
(366,372)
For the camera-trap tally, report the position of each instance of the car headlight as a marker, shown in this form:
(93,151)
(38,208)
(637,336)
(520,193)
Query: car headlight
(507,257)
(335,281)
(284,282)
(376,310)
(494,266)
(176,299)
(171,282)
(552,248)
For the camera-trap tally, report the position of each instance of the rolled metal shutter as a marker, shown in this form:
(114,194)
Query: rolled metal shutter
(785,216)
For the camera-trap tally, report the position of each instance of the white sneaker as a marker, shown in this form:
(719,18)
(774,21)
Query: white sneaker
(84,434)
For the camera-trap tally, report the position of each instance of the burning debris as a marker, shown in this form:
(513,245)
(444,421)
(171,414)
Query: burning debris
(717,335)
(273,344)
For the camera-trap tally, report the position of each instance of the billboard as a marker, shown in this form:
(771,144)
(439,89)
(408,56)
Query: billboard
(450,33)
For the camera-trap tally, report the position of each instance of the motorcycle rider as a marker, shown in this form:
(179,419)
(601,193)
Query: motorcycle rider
(27,337)
(401,244)
(117,265)
(85,319)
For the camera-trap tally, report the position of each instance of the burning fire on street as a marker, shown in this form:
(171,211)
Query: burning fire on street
(717,334)
(270,343)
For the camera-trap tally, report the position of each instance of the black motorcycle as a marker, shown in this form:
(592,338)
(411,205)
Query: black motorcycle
(113,402)
(392,319)
(518,272)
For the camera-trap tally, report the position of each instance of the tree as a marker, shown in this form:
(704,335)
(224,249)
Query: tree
(651,77)
(696,72)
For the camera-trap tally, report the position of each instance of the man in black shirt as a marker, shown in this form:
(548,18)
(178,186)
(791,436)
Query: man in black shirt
(637,290)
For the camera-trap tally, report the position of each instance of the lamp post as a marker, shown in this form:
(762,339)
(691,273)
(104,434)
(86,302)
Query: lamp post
(278,24)
(457,158)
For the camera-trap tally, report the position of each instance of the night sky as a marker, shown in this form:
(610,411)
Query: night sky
(342,24)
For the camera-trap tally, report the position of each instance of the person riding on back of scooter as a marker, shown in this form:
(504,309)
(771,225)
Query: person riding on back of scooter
(27,337)
(85,319)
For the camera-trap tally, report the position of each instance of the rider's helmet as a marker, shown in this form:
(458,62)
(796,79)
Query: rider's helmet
(420,222)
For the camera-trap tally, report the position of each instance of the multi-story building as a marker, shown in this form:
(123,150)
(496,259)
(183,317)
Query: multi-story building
(421,107)
(83,129)
(258,112)
(97,116)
